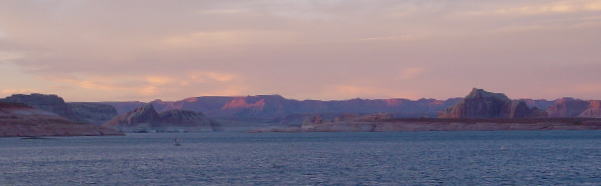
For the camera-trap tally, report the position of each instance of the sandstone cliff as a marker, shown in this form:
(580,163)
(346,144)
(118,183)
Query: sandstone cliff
(18,119)
(188,119)
(567,107)
(146,118)
(94,113)
(142,117)
(50,103)
(482,104)
(593,110)
(124,106)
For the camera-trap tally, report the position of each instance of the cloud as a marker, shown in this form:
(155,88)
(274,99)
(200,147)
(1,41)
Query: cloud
(8,56)
(221,77)
(405,37)
(6,92)
(411,73)
(555,7)
(227,38)
(207,39)
(148,90)
(169,86)
(238,90)
(159,80)
(212,76)
(98,83)
(230,11)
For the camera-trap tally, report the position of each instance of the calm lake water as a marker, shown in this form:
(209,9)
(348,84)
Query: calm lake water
(405,158)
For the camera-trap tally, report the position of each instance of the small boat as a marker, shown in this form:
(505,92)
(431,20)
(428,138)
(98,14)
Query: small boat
(176,142)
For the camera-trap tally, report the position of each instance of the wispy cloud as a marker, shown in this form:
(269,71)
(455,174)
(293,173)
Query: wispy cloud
(6,92)
(159,80)
(229,11)
(411,73)
(554,7)
(230,38)
(403,37)
(207,39)
(148,86)
(8,56)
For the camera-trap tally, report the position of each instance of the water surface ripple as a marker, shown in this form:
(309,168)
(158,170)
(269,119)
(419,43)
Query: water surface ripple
(403,158)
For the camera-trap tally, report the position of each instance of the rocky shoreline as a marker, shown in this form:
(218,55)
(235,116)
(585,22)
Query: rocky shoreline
(433,124)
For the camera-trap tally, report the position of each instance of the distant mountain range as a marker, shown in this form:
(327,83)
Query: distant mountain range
(274,107)
(277,109)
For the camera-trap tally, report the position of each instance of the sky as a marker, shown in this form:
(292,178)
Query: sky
(123,50)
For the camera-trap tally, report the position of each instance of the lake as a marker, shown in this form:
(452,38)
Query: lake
(236,158)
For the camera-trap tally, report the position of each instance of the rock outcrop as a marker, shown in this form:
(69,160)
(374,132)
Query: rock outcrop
(593,110)
(142,117)
(482,104)
(567,107)
(17,119)
(124,106)
(50,103)
(541,104)
(571,107)
(94,113)
(146,118)
(188,119)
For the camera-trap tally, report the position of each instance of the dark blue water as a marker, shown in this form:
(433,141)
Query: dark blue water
(410,158)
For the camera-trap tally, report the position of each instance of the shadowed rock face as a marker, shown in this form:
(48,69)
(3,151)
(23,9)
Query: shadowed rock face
(593,110)
(538,103)
(186,118)
(482,104)
(125,106)
(50,103)
(18,119)
(145,115)
(93,113)
(519,109)
(567,107)
(146,118)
